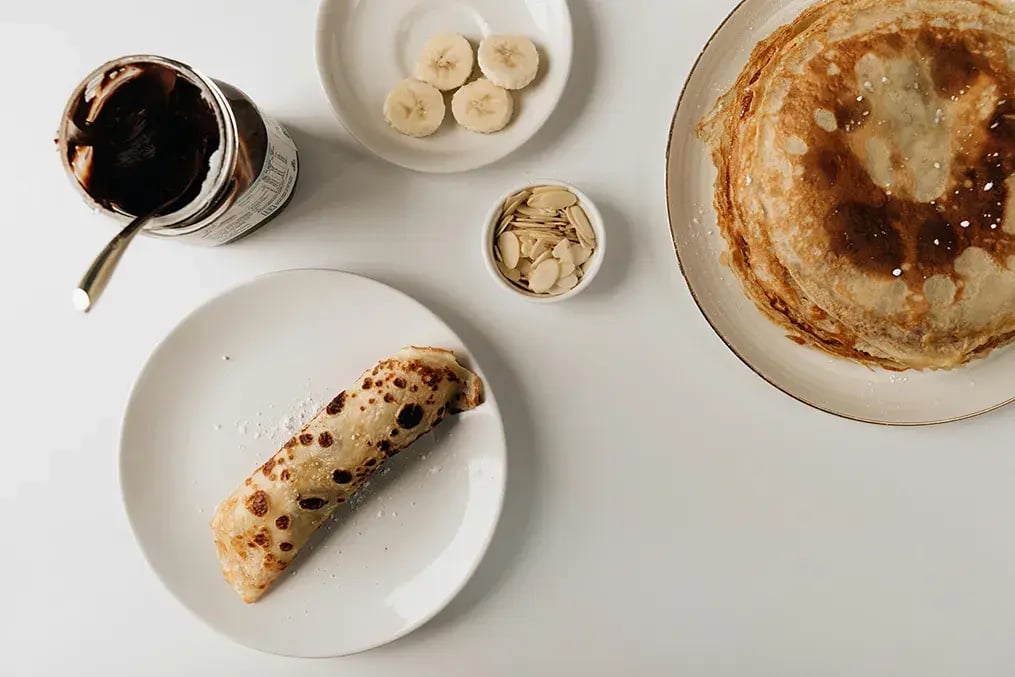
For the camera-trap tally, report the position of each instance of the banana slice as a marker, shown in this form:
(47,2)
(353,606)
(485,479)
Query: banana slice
(482,106)
(445,62)
(414,108)
(508,61)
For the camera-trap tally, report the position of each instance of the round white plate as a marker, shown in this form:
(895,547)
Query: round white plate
(835,385)
(364,48)
(197,424)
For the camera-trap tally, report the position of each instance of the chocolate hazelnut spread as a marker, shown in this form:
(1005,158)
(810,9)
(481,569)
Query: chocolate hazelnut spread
(145,134)
(146,142)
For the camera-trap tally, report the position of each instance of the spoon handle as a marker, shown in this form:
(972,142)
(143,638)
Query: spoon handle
(98,274)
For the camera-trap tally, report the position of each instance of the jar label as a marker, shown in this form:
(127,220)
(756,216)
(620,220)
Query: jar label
(269,192)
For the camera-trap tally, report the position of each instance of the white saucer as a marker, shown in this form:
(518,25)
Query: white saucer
(364,48)
(198,423)
(832,384)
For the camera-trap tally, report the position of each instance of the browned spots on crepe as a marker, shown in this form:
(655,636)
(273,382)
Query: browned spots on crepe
(263,538)
(341,476)
(285,547)
(399,382)
(337,404)
(268,466)
(389,398)
(282,522)
(257,503)
(410,416)
(325,439)
(312,503)
(368,383)
(285,475)
(384,446)
(306,439)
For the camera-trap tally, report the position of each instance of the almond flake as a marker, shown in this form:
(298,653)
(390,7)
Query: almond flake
(557,199)
(544,276)
(510,248)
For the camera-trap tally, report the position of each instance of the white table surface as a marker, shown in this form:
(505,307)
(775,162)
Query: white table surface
(667,512)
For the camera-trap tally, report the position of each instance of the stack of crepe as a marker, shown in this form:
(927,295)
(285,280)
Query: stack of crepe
(865,159)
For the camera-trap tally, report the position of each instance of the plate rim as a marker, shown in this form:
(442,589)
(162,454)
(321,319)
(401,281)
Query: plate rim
(336,107)
(667,176)
(453,591)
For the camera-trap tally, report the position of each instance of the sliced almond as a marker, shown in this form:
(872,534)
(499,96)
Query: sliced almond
(535,211)
(510,247)
(512,275)
(526,247)
(557,199)
(504,223)
(563,252)
(581,254)
(544,276)
(537,234)
(545,256)
(525,267)
(544,189)
(566,268)
(565,283)
(576,215)
(516,199)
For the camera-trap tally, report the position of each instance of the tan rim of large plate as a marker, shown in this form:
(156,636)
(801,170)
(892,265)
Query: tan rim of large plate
(680,264)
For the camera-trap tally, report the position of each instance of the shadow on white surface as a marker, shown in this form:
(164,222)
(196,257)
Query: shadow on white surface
(326,179)
(617,254)
(578,91)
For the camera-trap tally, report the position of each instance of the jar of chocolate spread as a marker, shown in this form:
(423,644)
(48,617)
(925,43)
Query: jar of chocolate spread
(144,133)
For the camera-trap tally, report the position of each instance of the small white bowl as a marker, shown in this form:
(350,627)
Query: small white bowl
(490,229)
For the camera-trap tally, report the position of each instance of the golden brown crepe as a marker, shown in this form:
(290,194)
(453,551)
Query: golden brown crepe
(865,159)
(260,527)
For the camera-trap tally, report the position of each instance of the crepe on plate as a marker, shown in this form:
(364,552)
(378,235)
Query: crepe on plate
(260,528)
(865,159)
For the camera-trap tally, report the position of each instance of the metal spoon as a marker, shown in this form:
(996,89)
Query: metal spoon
(97,277)
(95,280)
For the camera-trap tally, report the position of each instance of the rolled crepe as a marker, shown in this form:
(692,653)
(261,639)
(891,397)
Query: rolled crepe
(260,527)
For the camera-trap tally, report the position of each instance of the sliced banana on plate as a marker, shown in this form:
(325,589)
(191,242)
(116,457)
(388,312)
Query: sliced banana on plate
(482,106)
(445,62)
(509,61)
(414,108)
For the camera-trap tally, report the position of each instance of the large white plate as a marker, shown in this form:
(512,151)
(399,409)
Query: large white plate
(835,385)
(197,424)
(365,46)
